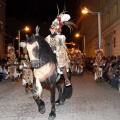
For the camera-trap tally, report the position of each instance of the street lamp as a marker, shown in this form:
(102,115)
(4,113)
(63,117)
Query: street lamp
(25,29)
(85,11)
(77,35)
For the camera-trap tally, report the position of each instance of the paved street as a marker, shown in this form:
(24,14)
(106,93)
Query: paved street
(90,101)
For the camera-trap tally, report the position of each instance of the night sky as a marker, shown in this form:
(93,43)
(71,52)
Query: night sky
(36,12)
(39,11)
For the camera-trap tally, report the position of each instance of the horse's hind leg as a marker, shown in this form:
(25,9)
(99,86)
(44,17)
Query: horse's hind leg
(67,91)
(52,114)
(58,102)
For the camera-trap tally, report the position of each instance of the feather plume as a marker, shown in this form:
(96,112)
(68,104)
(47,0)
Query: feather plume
(70,25)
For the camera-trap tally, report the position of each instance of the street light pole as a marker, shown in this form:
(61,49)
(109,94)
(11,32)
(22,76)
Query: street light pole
(99,29)
(77,35)
(85,11)
(25,29)
(84,45)
(18,43)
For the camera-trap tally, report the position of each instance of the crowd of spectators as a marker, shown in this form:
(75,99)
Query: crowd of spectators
(3,73)
(3,69)
(111,69)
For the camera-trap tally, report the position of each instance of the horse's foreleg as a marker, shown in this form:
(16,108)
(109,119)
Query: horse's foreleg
(52,113)
(37,97)
(40,103)
(39,88)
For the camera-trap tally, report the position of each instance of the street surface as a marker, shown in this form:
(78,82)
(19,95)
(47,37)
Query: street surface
(90,101)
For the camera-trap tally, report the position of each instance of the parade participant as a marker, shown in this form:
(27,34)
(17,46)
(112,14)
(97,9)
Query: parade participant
(12,60)
(25,67)
(98,65)
(57,42)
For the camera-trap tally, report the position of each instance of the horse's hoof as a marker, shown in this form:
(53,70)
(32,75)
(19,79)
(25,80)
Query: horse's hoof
(42,111)
(57,103)
(61,102)
(52,116)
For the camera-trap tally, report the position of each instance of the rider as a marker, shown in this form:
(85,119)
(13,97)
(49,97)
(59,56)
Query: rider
(57,42)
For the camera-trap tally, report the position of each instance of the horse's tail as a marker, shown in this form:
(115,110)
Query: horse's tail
(67,92)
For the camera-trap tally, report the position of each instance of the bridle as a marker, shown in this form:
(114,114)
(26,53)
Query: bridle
(37,62)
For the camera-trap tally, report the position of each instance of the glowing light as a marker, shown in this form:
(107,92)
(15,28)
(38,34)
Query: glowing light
(85,11)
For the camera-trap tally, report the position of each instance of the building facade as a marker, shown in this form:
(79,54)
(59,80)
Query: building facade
(2,28)
(110,24)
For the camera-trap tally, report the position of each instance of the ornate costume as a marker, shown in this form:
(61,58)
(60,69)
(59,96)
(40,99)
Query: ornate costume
(25,67)
(98,65)
(57,42)
(58,46)
(12,59)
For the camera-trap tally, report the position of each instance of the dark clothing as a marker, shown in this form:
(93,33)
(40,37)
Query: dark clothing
(1,77)
(114,79)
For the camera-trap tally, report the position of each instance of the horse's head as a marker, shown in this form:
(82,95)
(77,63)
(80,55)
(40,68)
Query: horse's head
(33,51)
(40,52)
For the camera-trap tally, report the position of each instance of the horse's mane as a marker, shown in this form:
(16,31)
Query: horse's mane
(45,52)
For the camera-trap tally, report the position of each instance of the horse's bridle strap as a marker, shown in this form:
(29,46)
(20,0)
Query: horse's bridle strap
(34,61)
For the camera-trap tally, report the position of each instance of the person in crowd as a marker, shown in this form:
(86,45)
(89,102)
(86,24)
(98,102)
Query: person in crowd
(106,69)
(2,74)
(116,75)
(5,71)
